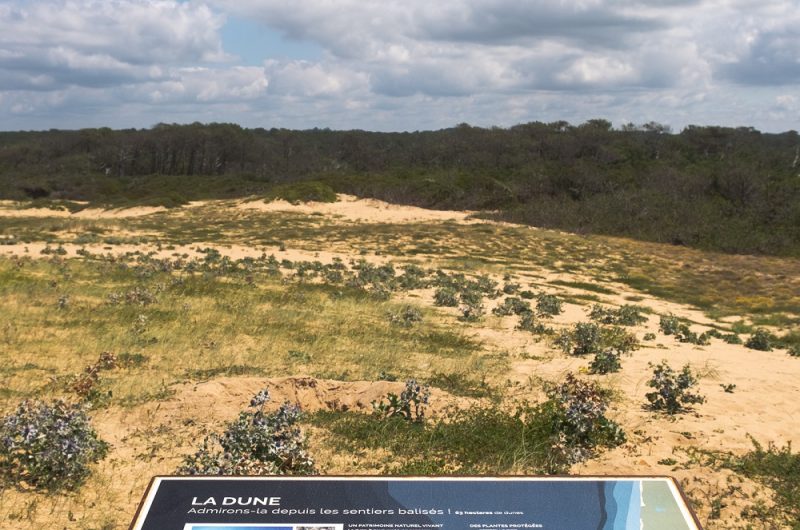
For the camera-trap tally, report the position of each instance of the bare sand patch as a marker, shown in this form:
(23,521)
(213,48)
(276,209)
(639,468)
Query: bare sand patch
(352,208)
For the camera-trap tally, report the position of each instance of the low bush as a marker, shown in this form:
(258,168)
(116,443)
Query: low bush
(445,297)
(626,315)
(761,340)
(584,338)
(409,405)
(528,322)
(668,324)
(605,362)
(779,468)
(548,305)
(576,410)
(731,338)
(672,393)
(256,443)
(48,445)
(406,317)
(512,306)
(471,313)
(298,192)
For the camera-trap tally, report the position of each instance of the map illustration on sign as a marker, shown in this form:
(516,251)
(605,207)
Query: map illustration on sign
(424,503)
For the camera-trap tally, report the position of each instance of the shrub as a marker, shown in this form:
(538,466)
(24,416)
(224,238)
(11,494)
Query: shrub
(601,314)
(298,192)
(256,443)
(605,362)
(649,336)
(413,277)
(626,315)
(760,340)
(471,313)
(49,446)
(779,468)
(584,338)
(617,338)
(630,315)
(577,414)
(409,405)
(512,306)
(672,389)
(511,288)
(732,338)
(471,297)
(445,297)
(528,322)
(794,350)
(406,317)
(548,305)
(668,324)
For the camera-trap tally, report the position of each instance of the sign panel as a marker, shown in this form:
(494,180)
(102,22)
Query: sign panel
(418,503)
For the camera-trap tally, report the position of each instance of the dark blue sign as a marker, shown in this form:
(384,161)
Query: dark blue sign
(423,503)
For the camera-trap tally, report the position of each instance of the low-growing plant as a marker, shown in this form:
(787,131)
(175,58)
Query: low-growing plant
(584,338)
(629,315)
(471,313)
(548,305)
(649,336)
(445,297)
(761,340)
(406,317)
(86,384)
(668,324)
(779,468)
(794,350)
(529,322)
(731,338)
(577,409)
(511,288)
(605,362)
(618,339)
(671,390)
(256,443)
(48,445)
(626,315)
(409,405)
(512,306)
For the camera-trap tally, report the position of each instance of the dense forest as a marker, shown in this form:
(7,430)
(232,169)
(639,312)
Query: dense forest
(728,189)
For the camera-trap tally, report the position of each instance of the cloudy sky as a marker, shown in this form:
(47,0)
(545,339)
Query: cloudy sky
(398,64)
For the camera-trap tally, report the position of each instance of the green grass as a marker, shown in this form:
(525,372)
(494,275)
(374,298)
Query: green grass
(585,286)
(203,325)
(778,468)
(473,441)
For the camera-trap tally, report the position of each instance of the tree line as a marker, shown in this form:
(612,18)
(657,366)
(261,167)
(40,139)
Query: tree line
(728,189)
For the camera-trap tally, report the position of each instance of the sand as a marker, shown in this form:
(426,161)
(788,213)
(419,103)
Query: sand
(764,404)
(352,208)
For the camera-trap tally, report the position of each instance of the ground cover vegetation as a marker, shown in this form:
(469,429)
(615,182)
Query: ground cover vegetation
(497,349)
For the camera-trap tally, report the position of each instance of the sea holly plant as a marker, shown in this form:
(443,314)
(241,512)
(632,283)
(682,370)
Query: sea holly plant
(256,443)
(548,305)
(605,362)
(409,405)
(671,390)
(48,445)
(577,409)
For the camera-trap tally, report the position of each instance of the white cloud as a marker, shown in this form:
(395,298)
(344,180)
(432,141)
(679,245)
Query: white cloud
(402,64)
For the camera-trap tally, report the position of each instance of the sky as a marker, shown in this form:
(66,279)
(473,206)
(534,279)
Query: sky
(398,65)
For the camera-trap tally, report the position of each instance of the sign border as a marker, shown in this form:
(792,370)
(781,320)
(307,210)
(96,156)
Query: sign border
(152,488)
